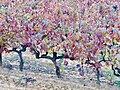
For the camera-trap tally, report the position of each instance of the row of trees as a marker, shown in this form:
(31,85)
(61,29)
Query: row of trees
(84,31)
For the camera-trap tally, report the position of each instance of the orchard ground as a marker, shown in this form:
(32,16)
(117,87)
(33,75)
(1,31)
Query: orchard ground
(39,74)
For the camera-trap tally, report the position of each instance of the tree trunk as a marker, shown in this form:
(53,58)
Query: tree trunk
(57,70)
(98,76)
(56,67)
(0,59)
(21,62)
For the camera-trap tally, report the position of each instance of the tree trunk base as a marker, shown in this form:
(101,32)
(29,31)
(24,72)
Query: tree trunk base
(98,76)
(58,72)
(59,76)
(0,63)
(98,82)
(21,66)
(21,62)
(0,59)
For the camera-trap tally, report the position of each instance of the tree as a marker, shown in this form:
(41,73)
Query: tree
(85,31)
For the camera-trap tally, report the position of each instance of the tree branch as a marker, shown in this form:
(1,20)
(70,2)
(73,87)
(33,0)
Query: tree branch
(37,53)
(48,57)
(118,69)
(104,61)
(44,54)
(59,57)
(92,64)
(118,75)
(88,62)
(14,50)
(23,48)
